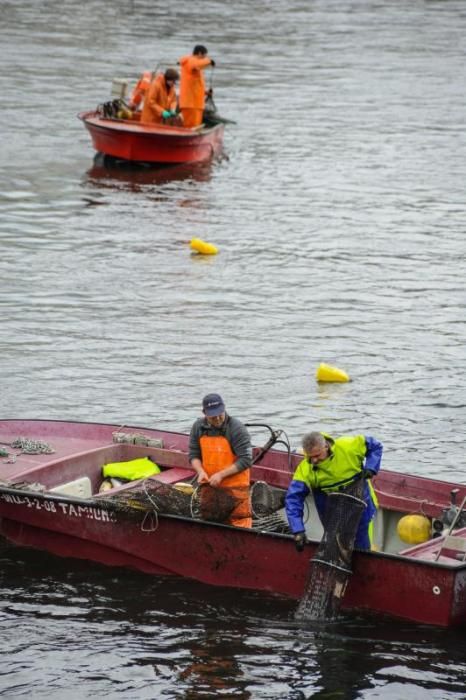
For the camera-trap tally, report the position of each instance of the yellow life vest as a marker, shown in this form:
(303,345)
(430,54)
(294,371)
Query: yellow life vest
(134,469)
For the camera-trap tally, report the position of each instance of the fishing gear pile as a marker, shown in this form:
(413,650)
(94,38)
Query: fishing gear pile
(330,568)
(204,502)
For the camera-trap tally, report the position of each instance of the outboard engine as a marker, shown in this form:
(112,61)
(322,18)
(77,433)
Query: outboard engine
(439,525)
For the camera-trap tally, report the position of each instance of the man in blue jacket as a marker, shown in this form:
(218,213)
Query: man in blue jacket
(328,465)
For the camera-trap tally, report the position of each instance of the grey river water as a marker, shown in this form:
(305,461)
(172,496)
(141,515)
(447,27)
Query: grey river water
(339,213)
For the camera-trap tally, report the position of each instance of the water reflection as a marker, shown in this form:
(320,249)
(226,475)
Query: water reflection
(112,172)
(214,669)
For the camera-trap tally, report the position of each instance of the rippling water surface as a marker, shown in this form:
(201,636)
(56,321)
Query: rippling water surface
(340,218)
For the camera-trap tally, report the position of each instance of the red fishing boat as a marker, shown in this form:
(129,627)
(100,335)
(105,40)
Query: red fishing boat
(51,499)
(128,139)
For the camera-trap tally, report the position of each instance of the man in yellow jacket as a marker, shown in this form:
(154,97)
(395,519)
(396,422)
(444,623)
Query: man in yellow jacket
(220,452)
(328,465)
(160,102)
(192,85)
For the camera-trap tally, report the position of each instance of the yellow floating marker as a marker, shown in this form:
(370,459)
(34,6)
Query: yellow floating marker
(203,247)
(327,373)
(414,529)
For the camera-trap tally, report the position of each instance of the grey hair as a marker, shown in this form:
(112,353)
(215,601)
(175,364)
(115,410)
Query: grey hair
(311,440)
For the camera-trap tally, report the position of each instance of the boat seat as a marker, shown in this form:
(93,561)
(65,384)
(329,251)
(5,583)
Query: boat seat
(166,476)
(453,546)
(82,488)
(171,476)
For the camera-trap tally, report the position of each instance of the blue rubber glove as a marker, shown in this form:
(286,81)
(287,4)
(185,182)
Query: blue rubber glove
(166,114)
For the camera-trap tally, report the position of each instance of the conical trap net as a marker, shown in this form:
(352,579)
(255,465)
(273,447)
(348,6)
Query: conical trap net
(330,568)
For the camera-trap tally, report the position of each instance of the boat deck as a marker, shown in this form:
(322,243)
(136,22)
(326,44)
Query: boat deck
(448,549)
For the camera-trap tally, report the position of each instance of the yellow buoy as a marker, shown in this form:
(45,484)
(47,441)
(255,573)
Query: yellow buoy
(327,373)
(203,247)
(414,529)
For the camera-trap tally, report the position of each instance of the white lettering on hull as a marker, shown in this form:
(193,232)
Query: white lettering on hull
(69,509)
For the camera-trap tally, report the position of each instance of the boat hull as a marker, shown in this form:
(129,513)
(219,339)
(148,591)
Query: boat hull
(426,591)
(159,144)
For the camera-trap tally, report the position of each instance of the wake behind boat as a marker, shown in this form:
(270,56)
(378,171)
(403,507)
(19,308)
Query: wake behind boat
(51,498)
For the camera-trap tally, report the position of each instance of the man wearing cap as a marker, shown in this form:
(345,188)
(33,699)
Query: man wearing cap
(192,85)
(220,451)
(160,103)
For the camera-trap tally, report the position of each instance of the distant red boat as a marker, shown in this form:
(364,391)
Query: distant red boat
(129,140)
(52,501)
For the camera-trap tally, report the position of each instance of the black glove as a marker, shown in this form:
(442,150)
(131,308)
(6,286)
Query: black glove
(212,63)
(368,473)
(299,541)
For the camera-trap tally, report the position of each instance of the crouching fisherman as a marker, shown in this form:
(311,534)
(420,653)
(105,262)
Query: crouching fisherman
(160,104)
(328,465)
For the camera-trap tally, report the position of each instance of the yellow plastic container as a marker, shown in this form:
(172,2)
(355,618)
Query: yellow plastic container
(414,529)
(327,373)
(202,247)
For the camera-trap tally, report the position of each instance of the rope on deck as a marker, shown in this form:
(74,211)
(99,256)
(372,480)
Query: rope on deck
(32,447)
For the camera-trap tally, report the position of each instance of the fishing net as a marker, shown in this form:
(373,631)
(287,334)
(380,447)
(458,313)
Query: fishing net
(330,568)
(266,499)
(205,502)
(267,505)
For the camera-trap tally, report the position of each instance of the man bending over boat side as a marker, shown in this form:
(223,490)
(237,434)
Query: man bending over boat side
(328,465)
(220,451)
(161,101)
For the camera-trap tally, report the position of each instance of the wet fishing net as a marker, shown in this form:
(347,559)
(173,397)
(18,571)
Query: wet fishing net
(267,505)
(330,569)
(203,502)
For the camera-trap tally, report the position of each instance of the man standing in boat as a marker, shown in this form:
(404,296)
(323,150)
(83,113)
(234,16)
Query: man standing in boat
(220,452)
(161,101)
(192,85)
(328,465)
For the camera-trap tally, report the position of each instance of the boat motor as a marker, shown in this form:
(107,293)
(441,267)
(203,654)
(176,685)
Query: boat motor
(449,516)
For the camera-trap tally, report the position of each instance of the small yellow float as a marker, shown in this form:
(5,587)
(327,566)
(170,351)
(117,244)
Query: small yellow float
(327,373)
(202,247)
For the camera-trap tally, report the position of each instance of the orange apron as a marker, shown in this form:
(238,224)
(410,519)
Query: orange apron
(216,455)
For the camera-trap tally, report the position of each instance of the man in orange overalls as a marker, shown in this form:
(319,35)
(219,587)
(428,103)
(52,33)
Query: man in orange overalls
(160,102)
(192,86)
(220,451)
(140,91)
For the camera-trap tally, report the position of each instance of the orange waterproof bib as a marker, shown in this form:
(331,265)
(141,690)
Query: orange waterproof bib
(216,455)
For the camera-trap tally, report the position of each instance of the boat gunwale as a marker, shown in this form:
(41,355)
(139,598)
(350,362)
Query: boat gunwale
(93,119)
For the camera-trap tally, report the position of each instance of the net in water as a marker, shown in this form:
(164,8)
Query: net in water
(330,568)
